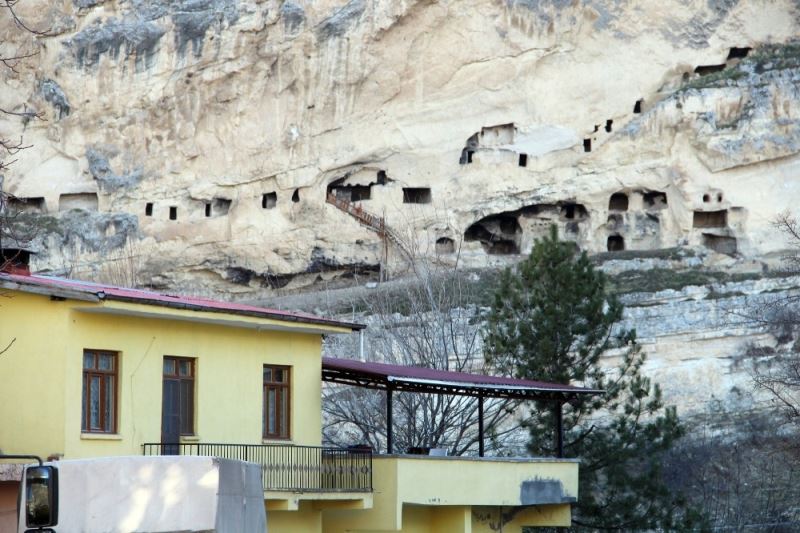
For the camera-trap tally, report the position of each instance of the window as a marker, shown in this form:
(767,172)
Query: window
(99,410)
(148,209)
(173,213)
(416,195)
(269,200)
(178,407)
(276,402)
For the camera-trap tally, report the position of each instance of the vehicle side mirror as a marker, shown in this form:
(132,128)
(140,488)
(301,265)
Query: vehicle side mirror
(41,496)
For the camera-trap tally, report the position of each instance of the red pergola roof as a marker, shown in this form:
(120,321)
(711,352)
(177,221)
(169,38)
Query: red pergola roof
(427,380)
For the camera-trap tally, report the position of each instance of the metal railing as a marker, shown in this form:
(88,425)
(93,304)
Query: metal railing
(286,467)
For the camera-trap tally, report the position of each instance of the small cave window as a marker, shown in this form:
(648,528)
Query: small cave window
(466,156)
(637,107)
(416,195)
(523,160)
(572,211)
(382,178)
(587,145)
(221,206)
(719,197)
(208,209)
(609,124)
(615,243)
(655,200)
(705,70)
(445,245)
(706,198)
(618,202)
(173,212)
(359,193)
(738,52)
(296,196)
(710,219)
(148,209)
(269,200)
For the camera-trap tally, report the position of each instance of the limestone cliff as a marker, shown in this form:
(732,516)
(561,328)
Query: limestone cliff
(197,141)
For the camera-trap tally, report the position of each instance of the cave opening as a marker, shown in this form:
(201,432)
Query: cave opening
(445,245)
(705,70)
(618,202)
(738,52)
(655,200)
(571,211)
(587,145)
(710,219)
(382,178)
(609,123)
(498,234)
(86,201)
(208,209)
(615,243)
(219,206)
(706,198)
(523,160)
(416,195)
(269,200)
(469,149)
(173,212)
(148,209)
(33,204)
(637,107)
(296,196)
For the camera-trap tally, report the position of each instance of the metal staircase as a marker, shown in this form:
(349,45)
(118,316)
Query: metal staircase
(373,222)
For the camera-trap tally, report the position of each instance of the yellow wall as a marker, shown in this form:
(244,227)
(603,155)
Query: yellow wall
(41,406)
(419,494)
(32,370)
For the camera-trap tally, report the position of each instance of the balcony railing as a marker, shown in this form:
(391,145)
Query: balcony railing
(288,468)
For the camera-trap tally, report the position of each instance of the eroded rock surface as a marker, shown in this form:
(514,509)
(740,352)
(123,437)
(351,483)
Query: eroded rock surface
(210,133)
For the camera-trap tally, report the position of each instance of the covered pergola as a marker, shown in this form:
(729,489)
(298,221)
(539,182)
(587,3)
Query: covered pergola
(401,378)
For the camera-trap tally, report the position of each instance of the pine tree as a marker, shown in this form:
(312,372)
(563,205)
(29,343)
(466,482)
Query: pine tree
(552,320)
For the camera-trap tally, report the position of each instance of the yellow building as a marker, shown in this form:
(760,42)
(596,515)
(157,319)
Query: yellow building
(92,370)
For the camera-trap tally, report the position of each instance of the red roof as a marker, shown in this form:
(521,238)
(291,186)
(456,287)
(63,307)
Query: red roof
(412,378)
(100,291)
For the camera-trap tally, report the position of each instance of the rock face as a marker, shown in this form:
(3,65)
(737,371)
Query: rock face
(208,143)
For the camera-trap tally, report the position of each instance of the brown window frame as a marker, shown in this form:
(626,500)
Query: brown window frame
(87,375)
(191,378)
(281,433)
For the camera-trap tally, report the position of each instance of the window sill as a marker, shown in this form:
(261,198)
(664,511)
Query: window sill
(277,441)
(101,436)
(190,438)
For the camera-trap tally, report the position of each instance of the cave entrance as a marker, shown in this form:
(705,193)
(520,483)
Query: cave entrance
(655,200)
(269,200)
(615,243)
(86,201)
(416,195)
(710,219)
(26,205)
(498,234)
(445,245)
(618,202)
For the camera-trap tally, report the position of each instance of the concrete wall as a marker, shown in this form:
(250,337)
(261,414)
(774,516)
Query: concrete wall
(427,495)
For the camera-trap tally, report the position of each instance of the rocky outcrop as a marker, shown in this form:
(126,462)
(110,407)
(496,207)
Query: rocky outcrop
(218,128)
